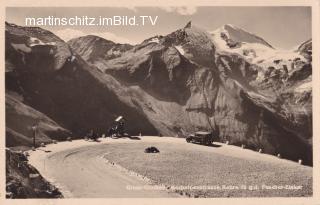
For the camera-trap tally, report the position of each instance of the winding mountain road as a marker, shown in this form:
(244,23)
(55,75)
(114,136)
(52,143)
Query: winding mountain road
(79,168)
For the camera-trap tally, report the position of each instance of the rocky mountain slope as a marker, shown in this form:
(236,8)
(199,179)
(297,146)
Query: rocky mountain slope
(19,120)
(49,85)
(92,48)
(192,80)
(176,84)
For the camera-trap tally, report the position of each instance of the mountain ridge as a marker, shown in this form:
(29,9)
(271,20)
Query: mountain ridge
(180,83)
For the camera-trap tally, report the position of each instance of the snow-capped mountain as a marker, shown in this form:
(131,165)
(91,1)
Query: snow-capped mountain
(175,84)
(233,40)
(235,36)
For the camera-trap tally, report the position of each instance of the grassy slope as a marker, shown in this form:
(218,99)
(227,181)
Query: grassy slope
(189,164)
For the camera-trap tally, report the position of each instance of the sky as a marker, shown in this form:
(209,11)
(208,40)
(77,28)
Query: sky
(282,27)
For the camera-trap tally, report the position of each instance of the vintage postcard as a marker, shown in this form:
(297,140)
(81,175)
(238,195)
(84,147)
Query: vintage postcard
(153,102)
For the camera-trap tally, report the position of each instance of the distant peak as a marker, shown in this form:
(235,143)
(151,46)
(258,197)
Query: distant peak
(188,25)
(96,37)
(229,25)
(241,35)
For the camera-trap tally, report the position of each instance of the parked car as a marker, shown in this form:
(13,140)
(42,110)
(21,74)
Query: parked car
(201,137)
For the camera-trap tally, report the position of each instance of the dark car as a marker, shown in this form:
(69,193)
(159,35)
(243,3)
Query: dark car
(204,138)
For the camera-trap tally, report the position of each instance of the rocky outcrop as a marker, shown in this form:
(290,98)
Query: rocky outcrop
(305,49)
(24,181)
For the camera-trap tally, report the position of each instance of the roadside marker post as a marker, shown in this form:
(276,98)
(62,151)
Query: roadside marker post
(34,129)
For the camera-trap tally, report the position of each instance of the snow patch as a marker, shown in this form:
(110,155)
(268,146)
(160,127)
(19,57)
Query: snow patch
(230,25)
(180,49)
(35,41)
(154,40)
(306,86)
(238,84)
(256,53)
(256,95)
(260,76)
(71,58)
(21,47)
(114,52)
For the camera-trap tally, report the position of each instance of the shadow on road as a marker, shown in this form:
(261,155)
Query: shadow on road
(211,145)
(44,150)
(134,138)
(126,137)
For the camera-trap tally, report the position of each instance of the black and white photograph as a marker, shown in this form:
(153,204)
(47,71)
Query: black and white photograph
(158,102)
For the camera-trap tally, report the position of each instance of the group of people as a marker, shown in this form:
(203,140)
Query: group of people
(92,135)
(117,130)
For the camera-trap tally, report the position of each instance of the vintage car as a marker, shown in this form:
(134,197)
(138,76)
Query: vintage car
(201,137)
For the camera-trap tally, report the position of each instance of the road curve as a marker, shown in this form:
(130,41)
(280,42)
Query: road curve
(81,172)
